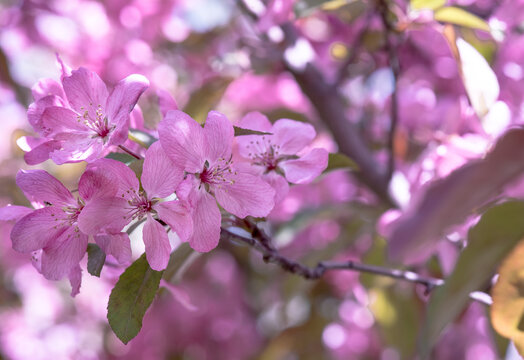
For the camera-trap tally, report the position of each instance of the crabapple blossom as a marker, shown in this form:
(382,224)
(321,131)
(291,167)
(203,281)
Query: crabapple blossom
(275,155)
(211,175)
(160,178)
(80,119)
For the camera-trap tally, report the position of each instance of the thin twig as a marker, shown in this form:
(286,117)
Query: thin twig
(122,147)
(271,255)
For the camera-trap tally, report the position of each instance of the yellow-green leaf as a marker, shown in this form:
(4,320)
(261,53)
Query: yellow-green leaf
(461,17)
(427,4)
(340,161)
(507,311)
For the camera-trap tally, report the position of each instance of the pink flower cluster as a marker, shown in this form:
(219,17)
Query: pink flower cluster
(188,178)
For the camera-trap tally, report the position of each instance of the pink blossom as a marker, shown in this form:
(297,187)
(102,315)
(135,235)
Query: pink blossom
(205,154)
(79,119)
(160,177)
(275,155)
(51,233)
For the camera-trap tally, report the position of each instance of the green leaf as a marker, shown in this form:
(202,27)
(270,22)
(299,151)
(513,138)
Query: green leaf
(122,157)
(340,161)
(141,138)
(131,297)
(206,98)
(507,311)
(96,258)
(427,4)
(348,10)
(489,241)
(241,131)
(458,16)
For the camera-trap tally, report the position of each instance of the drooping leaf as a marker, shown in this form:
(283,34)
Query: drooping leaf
(458,16)
(122,157)
(346,9)
(449,201)
(340,161)
(205,99)
(507,311)
(427,4)
(241,131)
(131,297)
(96,257)
(141,137)
(499,230)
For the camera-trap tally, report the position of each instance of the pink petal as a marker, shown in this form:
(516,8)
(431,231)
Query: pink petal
(46,87)
(248,195)
(36,110)
(14,212)
(218,134)
(76,147)
(85,91)
(121,174)
(104,215)
(292,136)
(157,244)
(75,279)
(57,119)
(136,118)
(206,223)
(117,245)
(124,97)
(65,70)
(42,152)
(279,184)
(160,176)
(35,230)
(178,216)
(183,140)
(39,186)
(62,254)
(255,121)
(165,102)
(307,168)
(95,183)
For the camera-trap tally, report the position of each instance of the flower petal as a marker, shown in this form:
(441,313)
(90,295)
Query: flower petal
(34,231)
(178,216)
(157,244)
(255,121)
(160,176)
(46,87)
(76,147)
(39,186)
(75,279)
(62,254)
(292,136)
(248,195)
(36,110)
(56,119)
(121,174)
(85,91)
(206,223)
(165,102)
(219,134)
(95,183)
(117,245)
(104,215)
(124,97)
(42,152)
(14,212)
(278,183)
(183,140)
(307,168)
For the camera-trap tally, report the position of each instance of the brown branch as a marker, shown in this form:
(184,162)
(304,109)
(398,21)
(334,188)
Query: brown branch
(122,147)
(261,242)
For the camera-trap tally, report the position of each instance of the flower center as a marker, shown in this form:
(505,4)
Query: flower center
(94,119)
(138,205)
(263,153)
(219,173)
